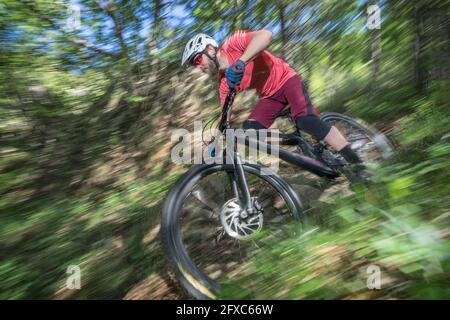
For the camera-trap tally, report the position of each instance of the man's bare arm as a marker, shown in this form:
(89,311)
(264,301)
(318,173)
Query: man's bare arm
(260,41)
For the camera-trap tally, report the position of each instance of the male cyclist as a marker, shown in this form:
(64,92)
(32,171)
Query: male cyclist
(243,62)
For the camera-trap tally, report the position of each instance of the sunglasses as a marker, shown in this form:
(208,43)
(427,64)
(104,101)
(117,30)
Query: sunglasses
(197,60)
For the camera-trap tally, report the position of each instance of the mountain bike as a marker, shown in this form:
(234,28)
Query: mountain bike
(216,215)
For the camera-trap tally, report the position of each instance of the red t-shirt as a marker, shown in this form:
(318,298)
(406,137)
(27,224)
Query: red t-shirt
(266,73)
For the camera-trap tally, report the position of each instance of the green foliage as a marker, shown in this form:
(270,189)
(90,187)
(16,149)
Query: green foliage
(399,223)
(85,120)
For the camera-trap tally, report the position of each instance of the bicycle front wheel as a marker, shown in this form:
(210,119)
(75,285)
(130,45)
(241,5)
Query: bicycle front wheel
(204,238)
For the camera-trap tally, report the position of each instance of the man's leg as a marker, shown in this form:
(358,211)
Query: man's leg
(264,113)
(337,141)
(306,119)
(252,124)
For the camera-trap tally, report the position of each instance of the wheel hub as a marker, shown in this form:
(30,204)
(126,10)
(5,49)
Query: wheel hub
(236,226)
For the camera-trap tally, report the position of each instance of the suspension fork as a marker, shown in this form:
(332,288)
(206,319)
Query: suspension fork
(234,186)
(238,180)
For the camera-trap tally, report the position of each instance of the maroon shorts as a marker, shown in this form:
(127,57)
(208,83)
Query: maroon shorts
(292,93)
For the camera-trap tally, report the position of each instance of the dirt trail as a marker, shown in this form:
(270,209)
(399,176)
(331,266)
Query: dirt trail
(313,192)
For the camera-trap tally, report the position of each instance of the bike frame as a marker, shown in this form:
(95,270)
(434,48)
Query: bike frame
(238,181)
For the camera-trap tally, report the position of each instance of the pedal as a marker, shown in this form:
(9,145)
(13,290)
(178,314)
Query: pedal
(333,160)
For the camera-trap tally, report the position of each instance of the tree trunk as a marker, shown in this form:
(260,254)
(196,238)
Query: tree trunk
(236,16)
(418,70)
(110,10)
(282,18)
(155,35)
(153,41)
(375,53)
(432,47)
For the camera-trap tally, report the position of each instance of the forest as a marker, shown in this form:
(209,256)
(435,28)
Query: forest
(91,91)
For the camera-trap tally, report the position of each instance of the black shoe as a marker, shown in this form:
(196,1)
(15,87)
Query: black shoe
(357,173)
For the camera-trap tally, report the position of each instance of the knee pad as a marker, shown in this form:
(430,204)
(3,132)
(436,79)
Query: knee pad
(313,125)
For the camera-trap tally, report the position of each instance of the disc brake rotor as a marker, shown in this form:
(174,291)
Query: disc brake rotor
(234,225)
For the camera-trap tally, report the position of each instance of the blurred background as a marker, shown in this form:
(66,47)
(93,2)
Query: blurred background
(90,92)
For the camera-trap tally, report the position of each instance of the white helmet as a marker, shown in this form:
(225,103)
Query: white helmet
(196,45)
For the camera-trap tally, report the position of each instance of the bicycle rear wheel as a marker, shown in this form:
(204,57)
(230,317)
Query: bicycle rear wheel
(371,145)
(204,240)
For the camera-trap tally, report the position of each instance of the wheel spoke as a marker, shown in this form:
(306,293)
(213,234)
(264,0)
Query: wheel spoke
(201,195)
(370,146)
(218,246)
